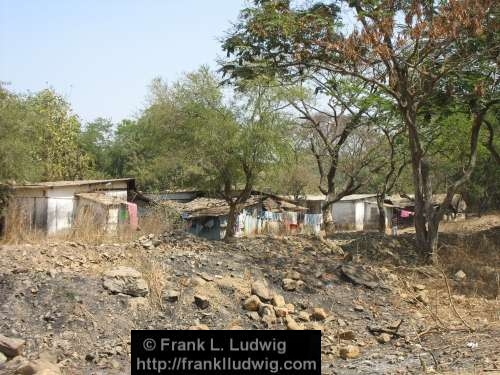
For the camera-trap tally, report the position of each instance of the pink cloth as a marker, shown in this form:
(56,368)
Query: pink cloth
(132,214)
(405,213)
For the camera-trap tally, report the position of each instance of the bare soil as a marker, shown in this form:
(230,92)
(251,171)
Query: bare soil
(52,295)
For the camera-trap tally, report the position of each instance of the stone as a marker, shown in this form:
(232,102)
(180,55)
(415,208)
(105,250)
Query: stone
(171,295)
(269,320)
(422,297)
(254,315)
(10,346)
(304,316)
(201,301)
(278,300)
(281,312)
(460,275)
(125,280)
(319,313)
(341,322)
(261,290)
(347,335)
(290,307)
(292,325)
(349,352)
(266,309)
(292,274)
(315,326)
(418,287)
(252,303)
(199,327)
(289,284)
(3,358)
(39,367)
(197,281)
(384,338)
(359,308)
(358,275)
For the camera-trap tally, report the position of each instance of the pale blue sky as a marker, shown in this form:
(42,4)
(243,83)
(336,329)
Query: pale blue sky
(102,54)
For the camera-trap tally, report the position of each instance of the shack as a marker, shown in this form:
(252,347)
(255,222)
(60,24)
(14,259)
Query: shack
(261,213)
(52,207)
(353,212)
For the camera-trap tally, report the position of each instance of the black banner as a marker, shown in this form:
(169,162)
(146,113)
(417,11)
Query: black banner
(226,352)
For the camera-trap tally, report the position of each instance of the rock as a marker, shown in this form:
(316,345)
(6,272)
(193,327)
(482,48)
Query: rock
(359,308)
(384,338)
(418,287)
(278,300)
(171,295)
(268,320)
(292,325)
(349,352)
(289,284)
(266,309)
(252,303)
(341,322)
(359,276)
(254,315)
(39,367)
(260,289)
(125,280)
(197,281)
(10,346)
(3,358)
(422,297)
(292,274)
(201,301)
(11,367)
(304,316)
(281,312)
(347,335)
(290,307)
(460,275)
(199,327)
(319,313)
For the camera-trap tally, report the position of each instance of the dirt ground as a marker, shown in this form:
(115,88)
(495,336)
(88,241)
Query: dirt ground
(52,296)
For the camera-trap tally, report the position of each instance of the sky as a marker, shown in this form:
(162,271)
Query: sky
(101,55)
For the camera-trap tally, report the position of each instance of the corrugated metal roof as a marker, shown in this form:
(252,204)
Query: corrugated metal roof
(52,184)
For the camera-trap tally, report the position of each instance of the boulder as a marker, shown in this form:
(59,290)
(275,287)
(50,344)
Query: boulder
(349,352)
(125,280)
(252,303)
(278,300)
(201,301)
(384,338)
(319,313)
(460,275)
(171,295)
(10,346)
(289,284)
(292,325)
(260,289)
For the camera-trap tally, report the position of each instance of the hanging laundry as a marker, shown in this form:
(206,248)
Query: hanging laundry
(405,214)
(132,213)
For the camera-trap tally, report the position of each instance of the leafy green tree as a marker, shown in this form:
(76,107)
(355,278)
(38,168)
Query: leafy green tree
(413,52)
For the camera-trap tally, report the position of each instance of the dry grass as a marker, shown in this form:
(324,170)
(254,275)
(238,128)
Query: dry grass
(87,227)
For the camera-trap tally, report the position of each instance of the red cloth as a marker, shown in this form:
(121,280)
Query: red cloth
(132,214)
(405,213)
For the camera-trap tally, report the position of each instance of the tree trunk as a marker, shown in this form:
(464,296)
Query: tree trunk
(423,189)
(231,221)
(381,213)
(328,223)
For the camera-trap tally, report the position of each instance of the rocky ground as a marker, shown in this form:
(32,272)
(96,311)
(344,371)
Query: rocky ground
(72,305)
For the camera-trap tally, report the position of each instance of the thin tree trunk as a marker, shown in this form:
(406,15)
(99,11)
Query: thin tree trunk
(231,222)
(381,212)
(328,223)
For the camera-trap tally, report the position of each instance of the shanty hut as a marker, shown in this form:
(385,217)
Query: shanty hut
(52,206)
